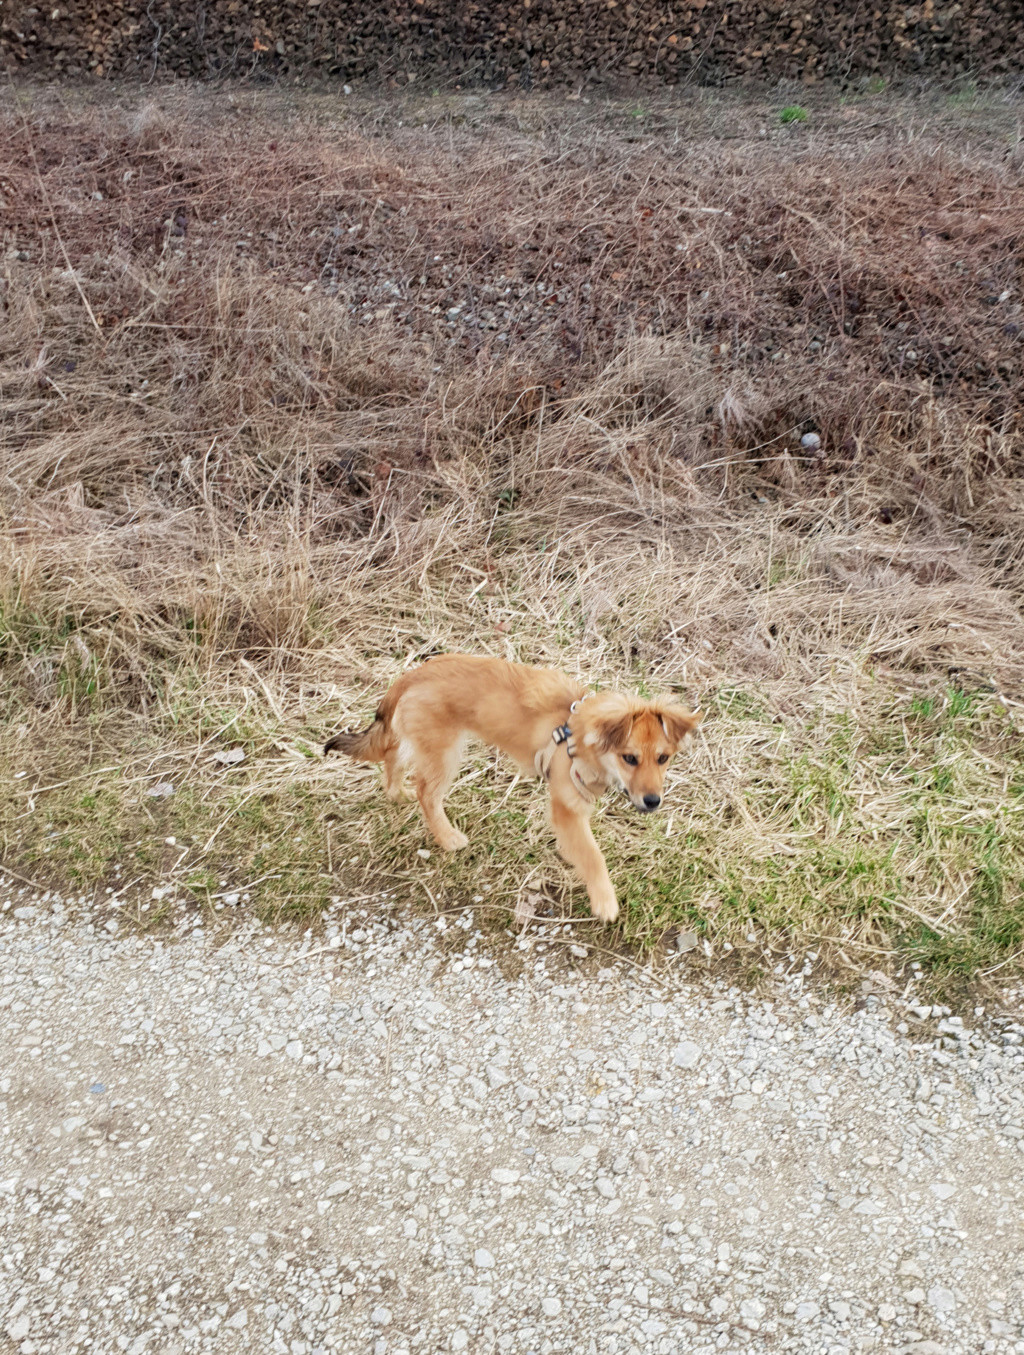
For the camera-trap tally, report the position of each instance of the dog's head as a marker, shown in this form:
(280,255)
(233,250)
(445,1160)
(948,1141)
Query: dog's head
(629,742)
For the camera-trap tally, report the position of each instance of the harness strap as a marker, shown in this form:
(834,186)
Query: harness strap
(542,761)
(582,788)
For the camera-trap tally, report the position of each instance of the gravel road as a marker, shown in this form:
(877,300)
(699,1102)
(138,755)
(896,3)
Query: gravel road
(382,1139)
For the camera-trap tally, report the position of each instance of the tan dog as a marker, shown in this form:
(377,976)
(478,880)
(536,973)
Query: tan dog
(540,717)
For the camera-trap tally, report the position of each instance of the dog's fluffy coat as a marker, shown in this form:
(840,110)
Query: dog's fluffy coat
(426,717)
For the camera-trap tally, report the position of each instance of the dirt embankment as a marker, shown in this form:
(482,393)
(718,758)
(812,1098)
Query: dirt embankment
(526,42)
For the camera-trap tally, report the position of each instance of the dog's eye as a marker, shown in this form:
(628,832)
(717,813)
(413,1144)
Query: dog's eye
(663,759)
(630,760)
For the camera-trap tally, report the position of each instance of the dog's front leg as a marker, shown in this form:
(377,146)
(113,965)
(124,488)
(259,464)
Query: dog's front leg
(576,843)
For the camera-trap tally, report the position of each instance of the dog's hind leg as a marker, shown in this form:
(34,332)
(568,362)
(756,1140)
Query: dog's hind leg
(396,764)
(435,769)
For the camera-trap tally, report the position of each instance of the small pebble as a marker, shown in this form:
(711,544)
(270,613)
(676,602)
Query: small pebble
(686,1054)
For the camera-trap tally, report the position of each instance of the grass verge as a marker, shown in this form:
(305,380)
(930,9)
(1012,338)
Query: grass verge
(893,839)
(289,404)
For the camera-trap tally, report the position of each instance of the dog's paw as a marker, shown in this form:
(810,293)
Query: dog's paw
(455,842)
(605,907)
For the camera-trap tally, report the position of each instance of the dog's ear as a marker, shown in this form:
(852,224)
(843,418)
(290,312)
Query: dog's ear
(606,721)
(677,722)
(613,731)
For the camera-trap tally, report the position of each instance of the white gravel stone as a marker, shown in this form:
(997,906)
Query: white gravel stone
(337,1188)
(943,1300)
(551,1307)
(566,1166)
(686,1054)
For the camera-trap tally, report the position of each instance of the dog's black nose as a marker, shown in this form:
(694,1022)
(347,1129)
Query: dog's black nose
(652,801)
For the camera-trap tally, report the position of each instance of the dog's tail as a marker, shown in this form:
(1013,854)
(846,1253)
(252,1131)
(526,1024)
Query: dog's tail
(368,745)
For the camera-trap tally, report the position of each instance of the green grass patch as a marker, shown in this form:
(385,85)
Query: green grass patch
(964,97)
(886,841)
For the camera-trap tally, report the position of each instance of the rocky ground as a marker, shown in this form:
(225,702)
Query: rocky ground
(387,1138)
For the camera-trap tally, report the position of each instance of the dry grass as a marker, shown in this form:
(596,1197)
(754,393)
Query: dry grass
(289,402)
